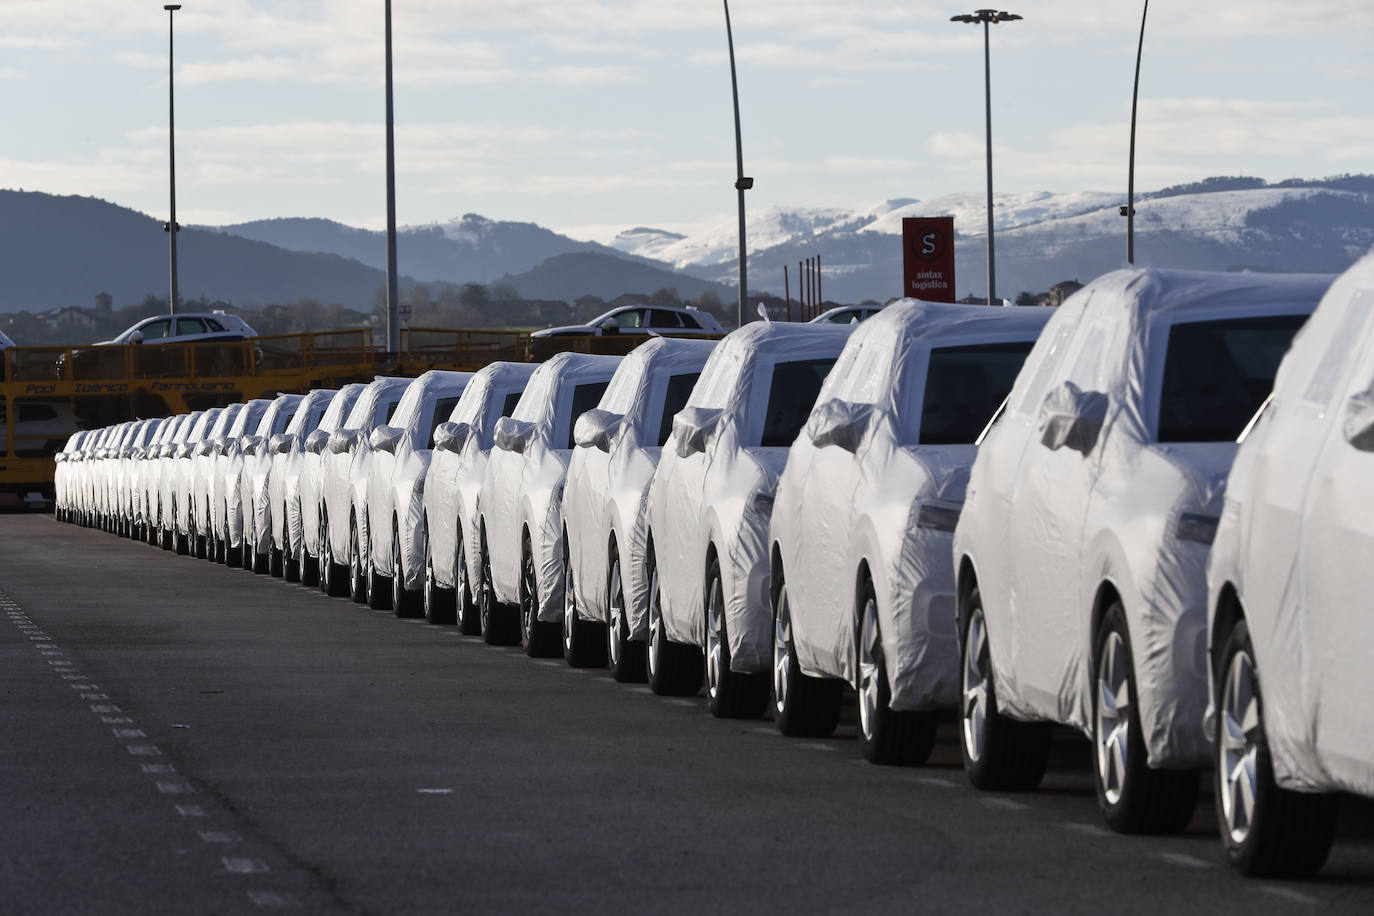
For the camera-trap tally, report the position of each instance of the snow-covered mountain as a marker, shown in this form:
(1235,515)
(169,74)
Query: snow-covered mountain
(1042,238)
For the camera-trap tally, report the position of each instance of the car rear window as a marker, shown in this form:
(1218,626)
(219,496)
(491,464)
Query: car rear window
(964,385)
(791,395)
(1217,373)
(679,390)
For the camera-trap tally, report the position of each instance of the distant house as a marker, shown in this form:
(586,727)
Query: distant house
(1061,291)
(69,315)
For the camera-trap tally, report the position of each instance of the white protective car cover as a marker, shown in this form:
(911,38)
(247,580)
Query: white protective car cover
(605,500)
(204,461)
(184,499)
(257,467)
(152,465)
(345,480)
(226,509)
(396,478)
(129,467)
(169,467)
(284,481)
(524,491)
(1050,532)
(312,466)
(66,465)
(1293,548)
(716,478)
(875,482)
(456,472)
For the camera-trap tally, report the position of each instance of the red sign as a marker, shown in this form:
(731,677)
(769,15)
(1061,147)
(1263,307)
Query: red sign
(928,258)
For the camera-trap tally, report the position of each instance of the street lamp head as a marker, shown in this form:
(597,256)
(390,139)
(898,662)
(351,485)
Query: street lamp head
(983,17)
(172,7)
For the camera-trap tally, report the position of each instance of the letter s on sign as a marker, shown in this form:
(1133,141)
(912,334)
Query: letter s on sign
(928,244)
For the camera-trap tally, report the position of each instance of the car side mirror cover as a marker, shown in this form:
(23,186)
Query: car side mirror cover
(513,435)
(342,441)
(1358,426)
(839,423)
(1072,418)
(597,428)
(315,442)
(451,437)
(693,428)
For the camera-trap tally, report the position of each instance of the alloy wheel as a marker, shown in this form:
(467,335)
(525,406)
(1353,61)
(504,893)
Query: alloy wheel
(1238,751)
(1112,733)
(974,684)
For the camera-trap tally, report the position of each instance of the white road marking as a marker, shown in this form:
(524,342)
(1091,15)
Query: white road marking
(1089,829)
(1187,861)
(1004,804)
(219,836)
(1287,893)
(244,866)
(271,898)
(935,782)
(94,696)
(190,810)
(548,663)
(116,720)
(143,750)
(128,733)
(76,677)
(814,746)
(84,687)
(159,769)
(435,791)
(175,788)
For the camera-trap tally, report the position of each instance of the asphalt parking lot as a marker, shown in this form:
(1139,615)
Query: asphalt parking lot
(183,737)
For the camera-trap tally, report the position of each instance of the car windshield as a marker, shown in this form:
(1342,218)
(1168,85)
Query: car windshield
(1217,373)
(791,395)
(964,385)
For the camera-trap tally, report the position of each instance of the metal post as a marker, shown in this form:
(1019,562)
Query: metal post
(987,90)
(742,184)
(787,292)
(820,296)
(1130,179)
(172,228)
(393,323)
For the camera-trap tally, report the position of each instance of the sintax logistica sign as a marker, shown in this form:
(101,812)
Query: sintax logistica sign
(928,258)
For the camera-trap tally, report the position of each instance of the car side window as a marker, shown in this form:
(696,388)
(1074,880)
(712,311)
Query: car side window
(584,398)
(188,326)
(662,318)
(679,390)
(688,321)
(156,329)
(213,325)
(631,318)
(442,409)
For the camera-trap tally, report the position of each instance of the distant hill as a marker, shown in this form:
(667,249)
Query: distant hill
(606,277)
(65,250)
(472,249)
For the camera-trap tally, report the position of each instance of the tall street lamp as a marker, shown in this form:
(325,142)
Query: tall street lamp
(393,321)
(171,227)
(987,18)
(1128,211)
(742,184)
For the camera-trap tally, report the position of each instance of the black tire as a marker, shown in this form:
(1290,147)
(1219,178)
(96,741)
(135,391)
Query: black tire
(628,658)
(404,602)
(1287,834)
(310,570)
(729,694)
(584,641)
(803,706)
(466,609)
(333,575)
(291,559)
(440,607)
(276,562)
(500,622)
(887,737)
(1134,798)
(1000,753)
(674,669)
(542,638)
(378,585)
(200,547)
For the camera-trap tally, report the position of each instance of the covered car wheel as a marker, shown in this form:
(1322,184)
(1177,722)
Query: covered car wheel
(730,694)
(465,604)
(357,566)
(1000,754)
(803,706)
(886,736)
(439,602)
(405,602)
(291,560)
(629,659)
(276,562)
(1267,830)
(542,638)
(333,575)
(1134,797)
(310,568)
(584,641)
(378,586)
(200,549)
(500,622)
(675,670)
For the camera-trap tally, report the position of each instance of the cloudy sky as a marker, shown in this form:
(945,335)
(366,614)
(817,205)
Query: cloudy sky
(591,116)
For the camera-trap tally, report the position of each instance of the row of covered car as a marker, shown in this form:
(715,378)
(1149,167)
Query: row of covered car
(1005,513)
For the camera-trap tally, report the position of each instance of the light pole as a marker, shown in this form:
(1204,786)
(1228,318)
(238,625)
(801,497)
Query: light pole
(393,321)
(742,184)
(1128,211)
(171,227)
(987,18)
